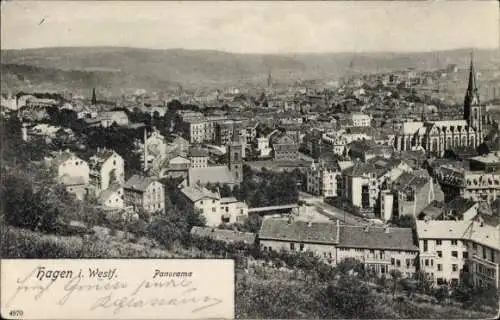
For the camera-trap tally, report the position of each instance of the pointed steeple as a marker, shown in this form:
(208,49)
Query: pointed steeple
(94,99)
(269,79)
(472,94)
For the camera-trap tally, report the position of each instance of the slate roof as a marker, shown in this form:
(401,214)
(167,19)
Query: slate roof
(408,181)
(433,210)
(377,238)
(459,205)
(224,235)
(198,193)
(96,161)
(298,231)
(377,165)
(104,196)
(138,183)
(212,174)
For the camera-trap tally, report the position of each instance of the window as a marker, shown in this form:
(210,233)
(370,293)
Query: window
(408,263)
(301,247)
(292,246)
(213,201)
(426,262)
(484,253)
(440,267)
(454,242)
(201,201)
(392,261)
(439,242)
(213,209)
(474,246)
(454,267)
(432,263)
(440,254)
(492,256)
(425,246)
(465,255)
(398,263)
(454,254)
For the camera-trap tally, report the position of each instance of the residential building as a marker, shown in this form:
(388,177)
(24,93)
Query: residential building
(474,185)
(380,249)
(284,148)
(71,171)
(413,192)
(66,163)
(177,166)
(318,238)
(108,118)
(106,168)
(144,194)
(112,197)
(215,209)
(323,179)
(360,119)
(198,158)
(363,181)
(450,249)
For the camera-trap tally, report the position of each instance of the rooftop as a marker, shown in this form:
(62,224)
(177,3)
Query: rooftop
(283,229)
(377,238)
(196,193)
(138,183)
(212,174)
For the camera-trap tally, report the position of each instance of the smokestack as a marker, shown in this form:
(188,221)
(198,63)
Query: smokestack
(145,151)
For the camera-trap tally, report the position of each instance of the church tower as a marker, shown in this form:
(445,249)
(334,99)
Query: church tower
(472,107)
(235,157)
(94,99)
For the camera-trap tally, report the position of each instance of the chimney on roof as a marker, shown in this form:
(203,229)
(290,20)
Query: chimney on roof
(309,223)
(367,228)
(387,230)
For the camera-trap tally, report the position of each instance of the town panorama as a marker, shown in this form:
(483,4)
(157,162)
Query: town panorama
(371,193)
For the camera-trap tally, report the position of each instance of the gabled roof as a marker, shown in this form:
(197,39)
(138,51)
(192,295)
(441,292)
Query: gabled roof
(224,235)
(376,238)
(100,157)
(298,231)
(106,194)
(283,139)
(195,193)
(212,174)
(59,157)
(409,181)
(138,183)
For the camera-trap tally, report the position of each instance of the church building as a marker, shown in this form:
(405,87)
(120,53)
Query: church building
(437,136)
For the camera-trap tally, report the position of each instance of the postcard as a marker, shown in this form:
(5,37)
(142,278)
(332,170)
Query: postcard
(250,159)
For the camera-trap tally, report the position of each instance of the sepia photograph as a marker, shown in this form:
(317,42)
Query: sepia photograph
(250,159)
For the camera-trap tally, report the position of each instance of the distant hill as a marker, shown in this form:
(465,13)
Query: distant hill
(116,68)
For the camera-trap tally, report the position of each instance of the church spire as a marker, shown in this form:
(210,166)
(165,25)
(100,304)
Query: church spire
(472,95)
(94,99)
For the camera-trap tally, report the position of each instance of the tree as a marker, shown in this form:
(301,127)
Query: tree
(351,297)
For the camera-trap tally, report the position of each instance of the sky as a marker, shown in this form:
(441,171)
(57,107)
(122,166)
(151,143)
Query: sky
(253,27)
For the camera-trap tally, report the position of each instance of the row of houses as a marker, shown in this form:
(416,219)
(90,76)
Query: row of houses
(445,251)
